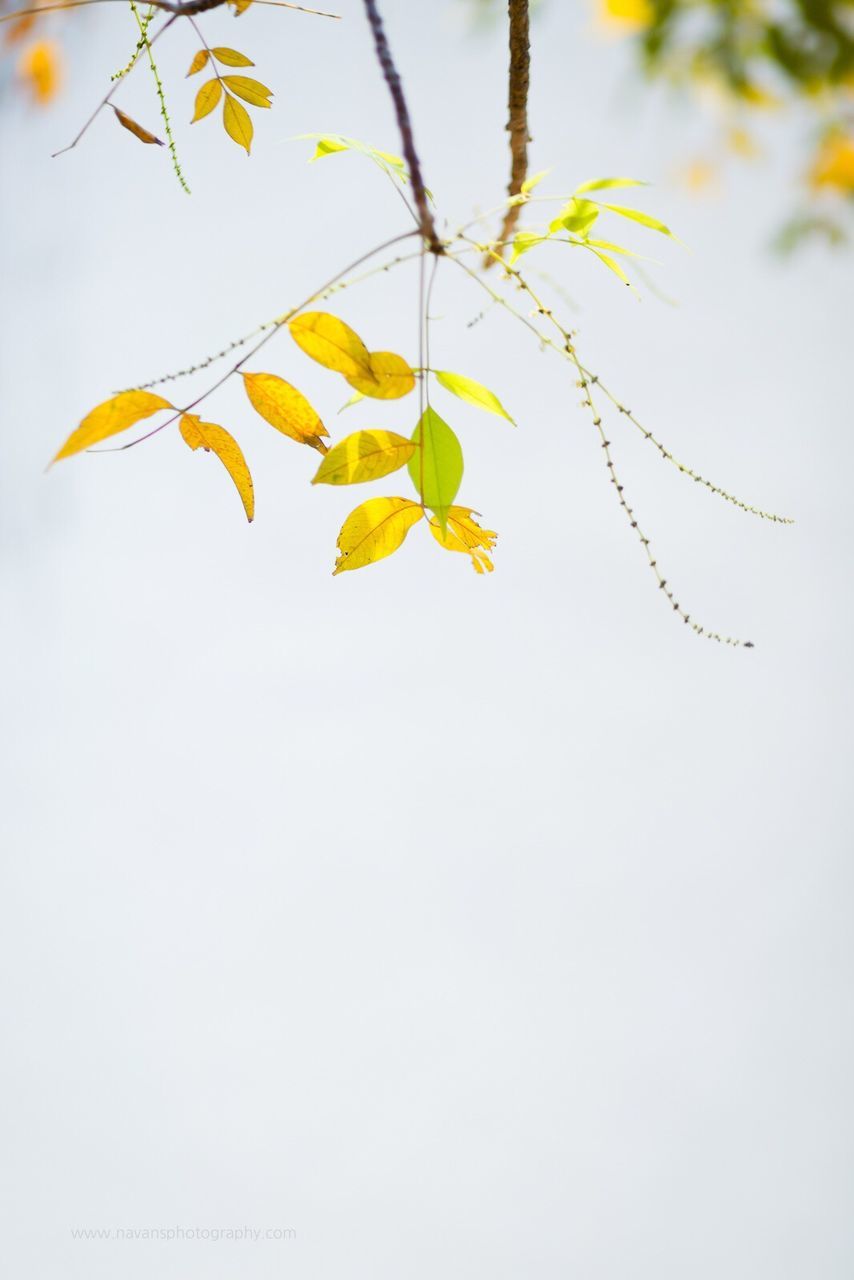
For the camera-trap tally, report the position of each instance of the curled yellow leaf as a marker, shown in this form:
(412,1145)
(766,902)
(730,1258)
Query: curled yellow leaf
(375,530)
(391,377)
(200,60)
(231,58)
(285,408)
(464,534)
(237,123)
(332,343)
(251,91)
(214,439)
(206,99)
(111,417)
(136,129)
(365,455)
(240,6)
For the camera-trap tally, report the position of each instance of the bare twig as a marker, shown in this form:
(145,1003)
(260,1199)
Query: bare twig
(426,222)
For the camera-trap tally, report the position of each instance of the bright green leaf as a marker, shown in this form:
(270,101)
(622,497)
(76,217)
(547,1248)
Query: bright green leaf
(436,468)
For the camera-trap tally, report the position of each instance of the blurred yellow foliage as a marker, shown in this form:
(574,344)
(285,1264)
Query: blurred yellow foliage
(626,15)
(40,67)
(833,166)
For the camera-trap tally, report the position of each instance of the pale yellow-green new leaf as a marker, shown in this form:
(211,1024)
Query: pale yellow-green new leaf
(534,181)
(600,184)
(365,455)
(327,144)
(285,408)
(206,99)
(251,91)
(331,343)
(436,468)
(391,377)
(472,392)
(577,216)
(231,58)
(237,123)
(374,530)
(523,242)
(111,417)
(200,61)
(464,534)
(643,218)
(208,436)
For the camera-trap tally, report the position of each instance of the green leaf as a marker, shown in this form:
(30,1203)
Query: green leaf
(436,468)
(643,218)
(599,184)
(472,392)
(577,216)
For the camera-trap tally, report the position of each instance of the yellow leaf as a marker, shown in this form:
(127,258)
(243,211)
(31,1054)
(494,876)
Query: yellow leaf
(391,377)
(465,534)
(206,99)
(240,6)
(251,91)
(285,408)
(136,129)
(331,343)
(365,455)
(114,415)
(237,124)
(39,66)
(208,436)
(231,58)
(200,60)
(374,530)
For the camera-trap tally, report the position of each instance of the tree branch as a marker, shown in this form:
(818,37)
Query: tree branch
(426,222)
(517,106)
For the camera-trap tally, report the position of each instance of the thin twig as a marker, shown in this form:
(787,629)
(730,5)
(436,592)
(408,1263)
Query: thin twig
(404,123)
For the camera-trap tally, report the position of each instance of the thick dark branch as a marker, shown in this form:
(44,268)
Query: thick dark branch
(404,123)
(517,104)
(190,7)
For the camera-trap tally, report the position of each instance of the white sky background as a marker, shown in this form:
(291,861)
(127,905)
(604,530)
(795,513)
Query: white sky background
(467,926)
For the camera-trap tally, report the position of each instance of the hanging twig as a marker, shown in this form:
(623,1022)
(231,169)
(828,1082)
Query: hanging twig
(426,222)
